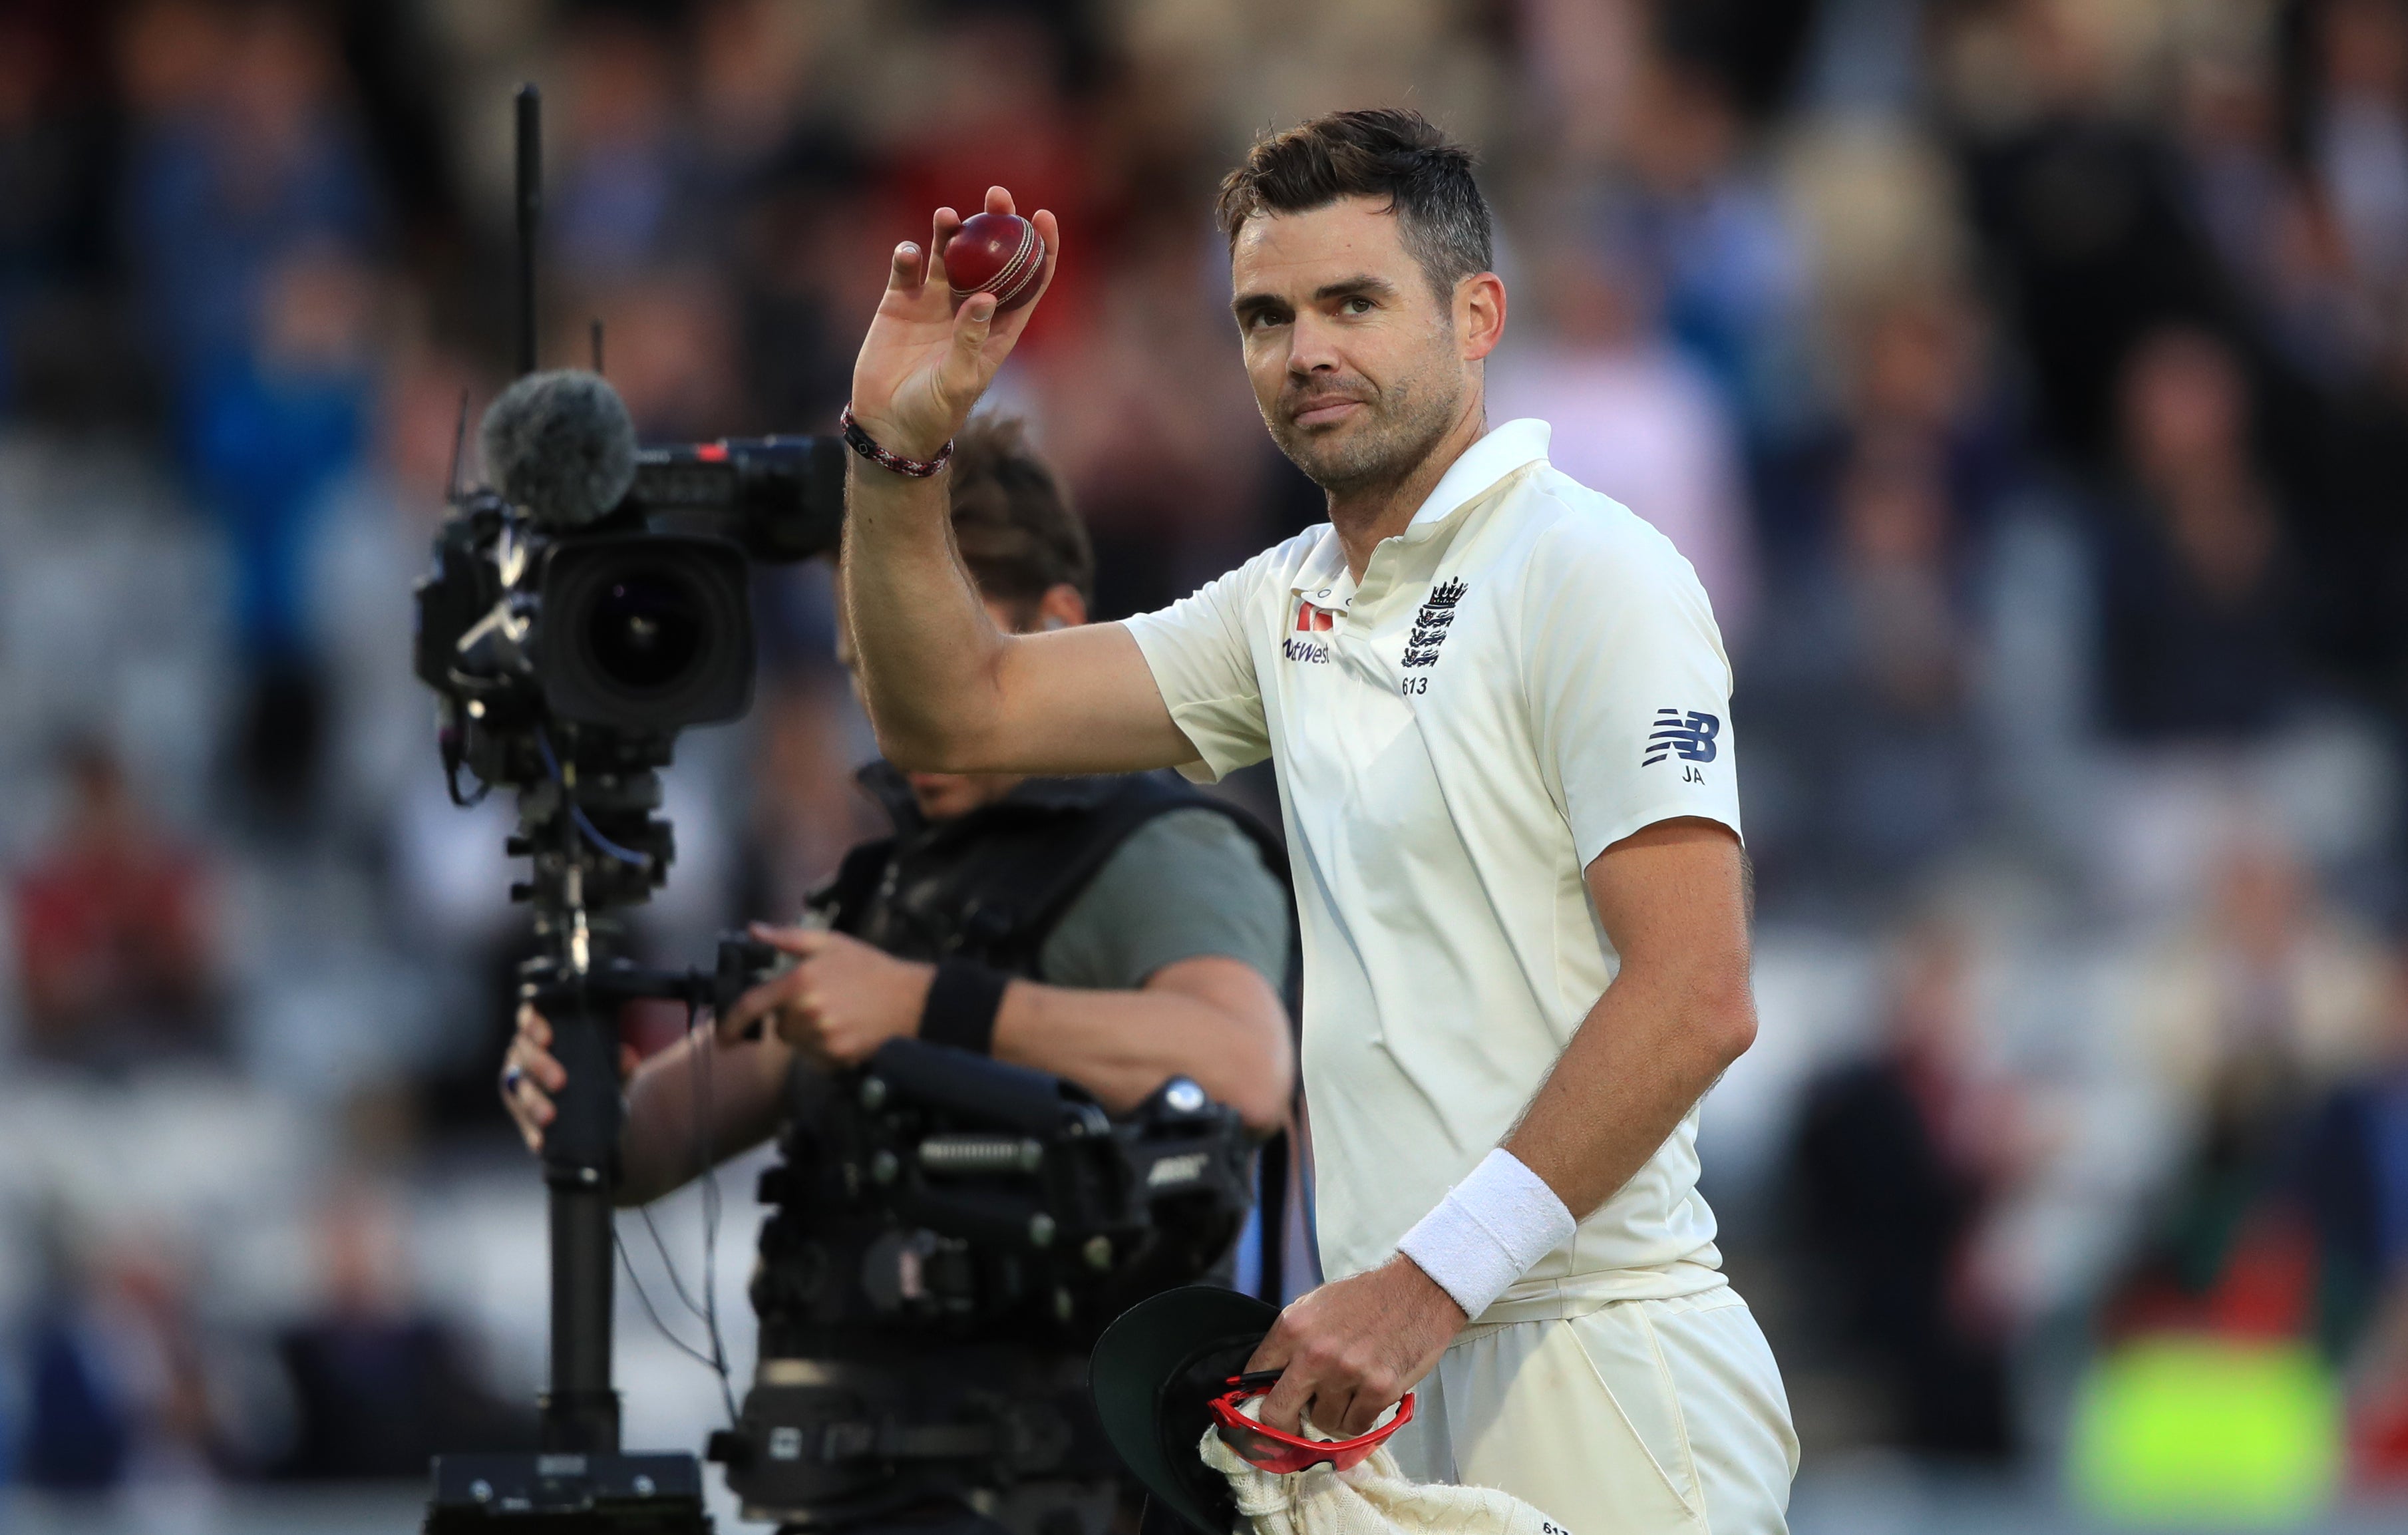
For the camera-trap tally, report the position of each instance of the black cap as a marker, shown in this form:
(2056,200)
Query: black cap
(1155,1371)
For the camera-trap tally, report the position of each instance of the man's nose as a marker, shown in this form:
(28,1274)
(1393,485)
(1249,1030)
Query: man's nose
(1313,347)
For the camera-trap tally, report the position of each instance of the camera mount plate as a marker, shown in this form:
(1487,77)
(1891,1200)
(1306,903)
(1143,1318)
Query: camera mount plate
(568,1495)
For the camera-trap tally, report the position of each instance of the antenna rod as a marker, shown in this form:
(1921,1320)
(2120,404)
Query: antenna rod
(530,199)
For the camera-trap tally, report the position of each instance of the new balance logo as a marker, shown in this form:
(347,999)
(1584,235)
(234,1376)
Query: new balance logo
(1690,737)
(1430,626)
(1312,620)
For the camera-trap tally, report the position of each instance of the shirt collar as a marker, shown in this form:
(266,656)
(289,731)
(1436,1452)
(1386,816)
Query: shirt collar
(1505,449)
(1501,452)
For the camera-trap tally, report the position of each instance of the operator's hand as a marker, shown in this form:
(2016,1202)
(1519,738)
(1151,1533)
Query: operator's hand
(840,1003)
(922,365)
(530,1075)
(1350,1350)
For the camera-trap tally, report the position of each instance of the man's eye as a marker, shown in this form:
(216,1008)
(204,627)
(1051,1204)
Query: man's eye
(1357,304)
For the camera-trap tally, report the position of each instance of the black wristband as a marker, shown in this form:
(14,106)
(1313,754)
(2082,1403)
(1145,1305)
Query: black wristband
(963,1001)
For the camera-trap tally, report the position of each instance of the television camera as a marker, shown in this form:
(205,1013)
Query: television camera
(584,607)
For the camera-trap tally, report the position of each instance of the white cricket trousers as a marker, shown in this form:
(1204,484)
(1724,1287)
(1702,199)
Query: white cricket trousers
(1638,1417)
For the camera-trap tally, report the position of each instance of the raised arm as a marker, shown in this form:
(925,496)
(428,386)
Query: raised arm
(946,690)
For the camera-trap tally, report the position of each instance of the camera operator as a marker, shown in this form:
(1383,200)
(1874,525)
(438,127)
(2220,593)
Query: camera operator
(1166,960)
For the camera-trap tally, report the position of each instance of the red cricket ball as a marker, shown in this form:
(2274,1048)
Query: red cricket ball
(999,254)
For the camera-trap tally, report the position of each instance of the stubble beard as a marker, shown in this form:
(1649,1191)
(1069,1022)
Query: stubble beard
(1407,421)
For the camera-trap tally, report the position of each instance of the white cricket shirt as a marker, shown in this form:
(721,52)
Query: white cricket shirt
(1528,674)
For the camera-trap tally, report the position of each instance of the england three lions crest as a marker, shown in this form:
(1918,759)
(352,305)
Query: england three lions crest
(1431,624)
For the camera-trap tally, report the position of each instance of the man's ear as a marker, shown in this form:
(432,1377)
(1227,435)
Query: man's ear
(1061,608)
(1480,314)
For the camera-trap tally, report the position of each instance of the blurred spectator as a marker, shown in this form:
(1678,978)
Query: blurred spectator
(2197,619)
(2267,231)
(2078,200)
(249,200)
(2258,1008)
(54,217)
(1716,242)
(379,1386)
(811,258)
(1632,418)
(1148,412)
(241,155)
(113,940)
(2353,1175)
(2361,143)
(269,428)
(669,348)
(758,68)
(121,1388)
(1901,1159)
(623,205)
(2264,993)
(1863,671)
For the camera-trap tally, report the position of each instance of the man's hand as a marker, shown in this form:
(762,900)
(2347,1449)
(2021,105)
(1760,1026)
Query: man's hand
(1351,1349)
(923,365)
(840,1003)
(531,1074)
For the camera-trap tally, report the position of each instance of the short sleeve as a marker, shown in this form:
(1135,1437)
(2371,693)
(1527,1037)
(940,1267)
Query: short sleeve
(1185,884)
(1628,685)
(1198,650)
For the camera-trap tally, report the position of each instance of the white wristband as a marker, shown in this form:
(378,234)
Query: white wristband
(1489,1231)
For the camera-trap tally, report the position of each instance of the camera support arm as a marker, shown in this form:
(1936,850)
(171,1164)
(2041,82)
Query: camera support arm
(580,1171)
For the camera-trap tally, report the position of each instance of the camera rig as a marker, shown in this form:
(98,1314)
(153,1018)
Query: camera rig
(569,633)
(933,1207)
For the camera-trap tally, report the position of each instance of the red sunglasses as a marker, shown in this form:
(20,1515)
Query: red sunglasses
(1266,1448)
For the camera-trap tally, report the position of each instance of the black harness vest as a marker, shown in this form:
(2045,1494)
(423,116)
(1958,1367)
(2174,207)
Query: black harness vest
(992,885)
(989,887)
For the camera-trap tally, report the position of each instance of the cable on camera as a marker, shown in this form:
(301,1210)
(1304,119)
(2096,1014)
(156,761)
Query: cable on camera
(577,813)
(708,1312)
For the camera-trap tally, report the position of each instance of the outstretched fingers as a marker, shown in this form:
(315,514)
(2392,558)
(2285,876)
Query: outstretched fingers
(941,231)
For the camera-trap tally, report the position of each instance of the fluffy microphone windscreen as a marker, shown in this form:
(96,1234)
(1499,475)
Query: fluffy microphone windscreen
(561,445)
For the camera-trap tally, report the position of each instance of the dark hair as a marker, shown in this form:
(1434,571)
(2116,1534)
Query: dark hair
(1011,521)
(1385,153)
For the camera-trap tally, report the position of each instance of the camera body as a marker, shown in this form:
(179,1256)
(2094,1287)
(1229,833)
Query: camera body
(631,625)
(948,1234)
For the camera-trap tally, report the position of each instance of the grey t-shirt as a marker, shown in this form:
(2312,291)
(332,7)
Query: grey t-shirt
(1187,882)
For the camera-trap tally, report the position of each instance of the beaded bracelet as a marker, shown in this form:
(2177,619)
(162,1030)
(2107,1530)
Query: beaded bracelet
(866,446)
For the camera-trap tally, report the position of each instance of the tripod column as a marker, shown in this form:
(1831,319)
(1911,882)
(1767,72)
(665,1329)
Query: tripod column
(580,1411)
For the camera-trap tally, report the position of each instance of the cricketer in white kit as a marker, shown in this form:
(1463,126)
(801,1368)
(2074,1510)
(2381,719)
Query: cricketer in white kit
(1499,711)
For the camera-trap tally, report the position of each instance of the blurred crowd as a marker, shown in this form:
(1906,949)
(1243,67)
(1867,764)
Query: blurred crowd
(2028,381)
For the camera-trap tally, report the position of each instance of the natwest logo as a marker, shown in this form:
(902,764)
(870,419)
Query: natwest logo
(1315,650)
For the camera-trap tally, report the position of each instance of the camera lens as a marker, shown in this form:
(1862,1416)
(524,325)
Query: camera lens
(655,630)
(645,629)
